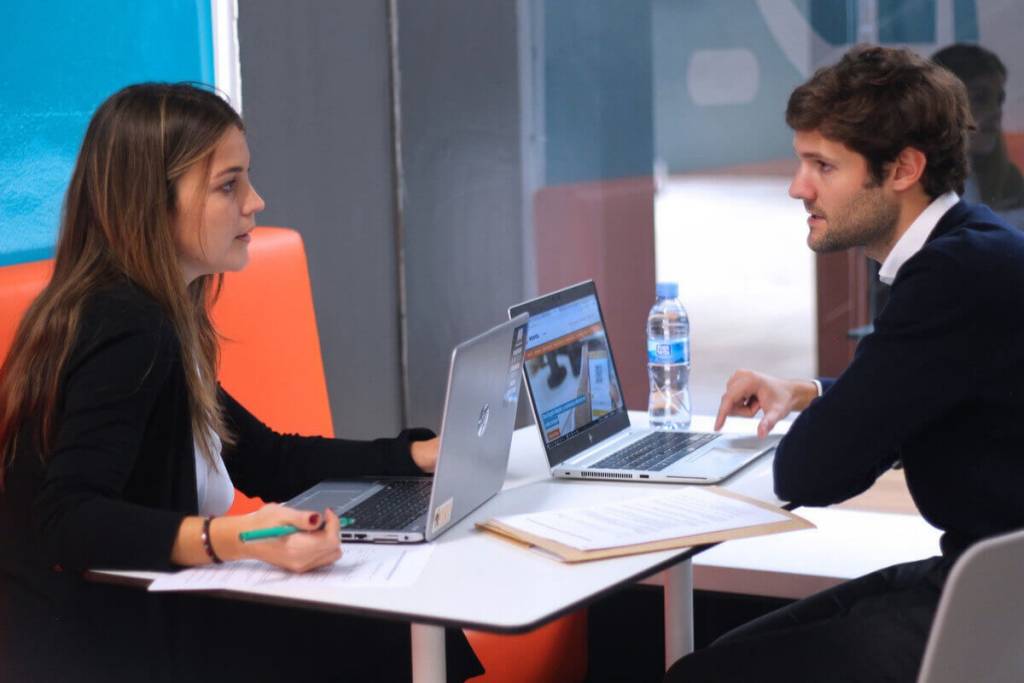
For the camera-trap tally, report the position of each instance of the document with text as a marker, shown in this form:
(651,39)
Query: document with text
(687,516)
(360,565)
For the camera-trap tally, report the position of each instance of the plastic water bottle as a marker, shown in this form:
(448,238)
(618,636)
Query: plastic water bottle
(668,361)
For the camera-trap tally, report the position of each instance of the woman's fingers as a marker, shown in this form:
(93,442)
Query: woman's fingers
(306,520)
(321,546)
(316,543)
(332,525)
(273,514)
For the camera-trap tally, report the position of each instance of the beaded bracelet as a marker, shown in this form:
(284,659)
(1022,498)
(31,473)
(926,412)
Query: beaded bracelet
(207,543)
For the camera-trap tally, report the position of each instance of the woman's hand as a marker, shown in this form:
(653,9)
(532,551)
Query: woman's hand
(424,453)
(317,544)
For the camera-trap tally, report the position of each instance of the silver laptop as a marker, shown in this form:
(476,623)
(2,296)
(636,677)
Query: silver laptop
(476,433)
(578,406)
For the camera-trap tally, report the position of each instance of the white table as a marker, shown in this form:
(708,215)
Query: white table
(844,545)
(475,580)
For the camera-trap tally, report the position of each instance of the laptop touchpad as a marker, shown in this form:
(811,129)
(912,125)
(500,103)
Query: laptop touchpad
(748,443)
(712,462)
(337,496)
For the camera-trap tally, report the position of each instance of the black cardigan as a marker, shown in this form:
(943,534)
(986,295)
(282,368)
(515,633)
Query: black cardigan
(121,476)
(938,384)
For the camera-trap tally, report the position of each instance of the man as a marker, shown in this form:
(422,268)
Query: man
(994,179)
(881,140)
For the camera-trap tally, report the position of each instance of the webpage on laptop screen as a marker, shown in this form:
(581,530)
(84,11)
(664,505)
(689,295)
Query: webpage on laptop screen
(571,374)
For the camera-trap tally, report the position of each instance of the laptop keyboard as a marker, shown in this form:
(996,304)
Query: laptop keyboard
(655,452)
(395,506)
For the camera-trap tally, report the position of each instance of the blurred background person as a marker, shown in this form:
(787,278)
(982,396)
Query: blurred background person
(994,179)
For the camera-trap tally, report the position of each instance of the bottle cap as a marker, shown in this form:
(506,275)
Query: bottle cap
(667,290)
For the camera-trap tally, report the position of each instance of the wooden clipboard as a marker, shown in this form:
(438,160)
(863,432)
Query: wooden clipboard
(569,554)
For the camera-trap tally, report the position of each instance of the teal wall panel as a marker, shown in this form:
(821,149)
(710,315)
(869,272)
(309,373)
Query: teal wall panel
(691,136)
(836,22)
(597,90)
(58,61)
(965,21)
(900,21)
(704,121)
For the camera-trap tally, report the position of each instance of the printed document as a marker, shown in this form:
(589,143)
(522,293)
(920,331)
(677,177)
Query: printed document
(689,511)
(360,565)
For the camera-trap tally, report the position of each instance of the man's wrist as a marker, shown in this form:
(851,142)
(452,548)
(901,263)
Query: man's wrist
(817,387)
(804,392)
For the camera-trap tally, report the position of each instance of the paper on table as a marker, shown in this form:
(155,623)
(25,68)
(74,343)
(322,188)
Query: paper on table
(360,565)
(689,511)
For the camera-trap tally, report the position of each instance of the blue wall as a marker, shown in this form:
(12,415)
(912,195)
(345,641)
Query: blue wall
(690,136)
(58,60)
(597,90)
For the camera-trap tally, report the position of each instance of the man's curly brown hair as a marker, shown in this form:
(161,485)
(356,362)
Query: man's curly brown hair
(877,101)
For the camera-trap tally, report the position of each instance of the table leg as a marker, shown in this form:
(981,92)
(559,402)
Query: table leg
(428,654)
(678,587)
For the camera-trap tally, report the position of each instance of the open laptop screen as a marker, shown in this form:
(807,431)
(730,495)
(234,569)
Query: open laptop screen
(569,368)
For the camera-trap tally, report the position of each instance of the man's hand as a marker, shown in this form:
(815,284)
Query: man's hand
(424,453)
(748,392)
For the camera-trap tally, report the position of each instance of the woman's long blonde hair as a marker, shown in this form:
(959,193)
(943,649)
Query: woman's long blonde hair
(118,223)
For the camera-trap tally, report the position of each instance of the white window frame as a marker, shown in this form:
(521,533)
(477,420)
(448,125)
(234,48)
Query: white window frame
(227,68)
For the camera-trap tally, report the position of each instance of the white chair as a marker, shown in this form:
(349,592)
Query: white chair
(978,632)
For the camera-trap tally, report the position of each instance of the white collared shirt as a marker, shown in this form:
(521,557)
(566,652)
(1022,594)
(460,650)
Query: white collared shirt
(916,235)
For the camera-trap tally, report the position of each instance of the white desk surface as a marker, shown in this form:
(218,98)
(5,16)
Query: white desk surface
(475,580)
(846,544)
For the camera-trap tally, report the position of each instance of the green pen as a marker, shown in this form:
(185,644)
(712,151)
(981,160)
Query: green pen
(270,532)
(283,530)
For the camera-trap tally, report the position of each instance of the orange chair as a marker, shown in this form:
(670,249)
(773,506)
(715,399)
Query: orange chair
(19,285)
(288,391)
(270,351)
(553,653)
(275,370)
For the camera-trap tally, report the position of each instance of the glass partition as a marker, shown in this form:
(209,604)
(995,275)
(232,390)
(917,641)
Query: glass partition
(657,150)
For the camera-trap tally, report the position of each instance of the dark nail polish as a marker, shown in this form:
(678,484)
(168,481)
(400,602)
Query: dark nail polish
(314,519)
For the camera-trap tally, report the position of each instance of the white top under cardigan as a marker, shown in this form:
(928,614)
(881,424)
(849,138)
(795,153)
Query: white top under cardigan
(214,489)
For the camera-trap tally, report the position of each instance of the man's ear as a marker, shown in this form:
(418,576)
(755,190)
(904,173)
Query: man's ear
(907,169)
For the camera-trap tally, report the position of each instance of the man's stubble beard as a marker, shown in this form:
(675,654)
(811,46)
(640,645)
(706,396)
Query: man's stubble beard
(867,218)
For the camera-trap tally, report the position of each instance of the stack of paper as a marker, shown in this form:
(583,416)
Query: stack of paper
(360,565)
(684,517)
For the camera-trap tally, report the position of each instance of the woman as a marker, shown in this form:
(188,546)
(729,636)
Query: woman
(118,449)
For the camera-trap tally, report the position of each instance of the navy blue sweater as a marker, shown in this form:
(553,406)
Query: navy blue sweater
(937,384)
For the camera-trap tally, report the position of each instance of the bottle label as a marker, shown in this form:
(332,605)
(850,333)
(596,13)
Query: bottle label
(668,352)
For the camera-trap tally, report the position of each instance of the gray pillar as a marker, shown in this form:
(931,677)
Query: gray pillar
(315,77)
(462,181)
